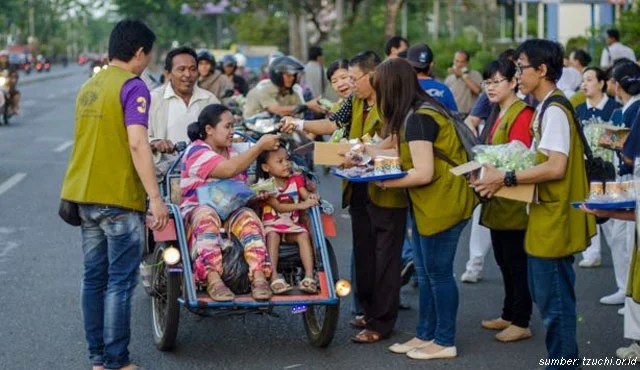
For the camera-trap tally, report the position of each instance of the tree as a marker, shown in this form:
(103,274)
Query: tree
(391,14)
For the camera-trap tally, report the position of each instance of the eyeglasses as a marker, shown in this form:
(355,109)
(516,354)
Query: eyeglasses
(489,83)
(520,68)
(352,80)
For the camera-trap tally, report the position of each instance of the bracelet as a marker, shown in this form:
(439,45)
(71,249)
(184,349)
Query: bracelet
(510,179)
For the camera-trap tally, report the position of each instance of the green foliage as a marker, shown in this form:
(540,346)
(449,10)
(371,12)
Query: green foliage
(630,29)
(259,29)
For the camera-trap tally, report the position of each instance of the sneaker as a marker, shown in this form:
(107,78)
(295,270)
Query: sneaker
(632,352)
(496,324)
(513,333)
(588,263)
(615,298)
(407,271)
(471,277)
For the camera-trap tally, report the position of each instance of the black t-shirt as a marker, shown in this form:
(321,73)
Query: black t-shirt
(421,127)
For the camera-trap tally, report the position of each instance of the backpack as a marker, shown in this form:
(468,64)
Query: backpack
(467,137)
(597,169)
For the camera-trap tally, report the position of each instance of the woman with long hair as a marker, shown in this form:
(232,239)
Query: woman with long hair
(441,203)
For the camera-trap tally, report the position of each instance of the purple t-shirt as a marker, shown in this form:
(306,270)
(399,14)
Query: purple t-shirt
(135,99)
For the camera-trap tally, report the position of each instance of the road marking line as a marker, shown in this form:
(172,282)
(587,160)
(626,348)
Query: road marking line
(62,147)
(11,182)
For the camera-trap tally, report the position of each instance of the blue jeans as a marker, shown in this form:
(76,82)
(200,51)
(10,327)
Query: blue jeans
(407,246)
(433,258)
(551,283)
(112,240)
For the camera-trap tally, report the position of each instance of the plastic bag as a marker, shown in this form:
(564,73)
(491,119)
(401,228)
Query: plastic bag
(235,271)
(225,196)
(514,156)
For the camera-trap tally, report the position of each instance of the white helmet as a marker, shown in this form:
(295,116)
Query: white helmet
(241,60)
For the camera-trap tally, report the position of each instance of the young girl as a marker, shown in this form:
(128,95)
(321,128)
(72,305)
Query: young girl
(281,217)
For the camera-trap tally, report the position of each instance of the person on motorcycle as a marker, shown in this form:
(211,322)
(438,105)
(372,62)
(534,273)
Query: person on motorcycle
(176,104)
(276,95)
(210,78)
(229,66)
(9,73)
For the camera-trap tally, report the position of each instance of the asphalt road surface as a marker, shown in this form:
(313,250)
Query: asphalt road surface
(40,272)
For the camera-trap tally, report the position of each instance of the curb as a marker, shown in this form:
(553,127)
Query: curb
(50,77)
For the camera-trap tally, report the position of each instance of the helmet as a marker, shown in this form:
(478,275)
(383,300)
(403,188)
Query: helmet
(241,59)
(228,60)
(275,55)
(281,65)
(206,55)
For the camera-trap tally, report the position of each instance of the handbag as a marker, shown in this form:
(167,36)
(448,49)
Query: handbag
(69,212)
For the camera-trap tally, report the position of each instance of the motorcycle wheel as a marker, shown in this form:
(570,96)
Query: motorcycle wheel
(321,321)
(165,308)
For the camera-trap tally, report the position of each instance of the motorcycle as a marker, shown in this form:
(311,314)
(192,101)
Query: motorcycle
(43,66)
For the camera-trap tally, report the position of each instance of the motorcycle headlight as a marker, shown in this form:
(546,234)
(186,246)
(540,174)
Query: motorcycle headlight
(96,69)
(171,256)
(343,288)
(3,81)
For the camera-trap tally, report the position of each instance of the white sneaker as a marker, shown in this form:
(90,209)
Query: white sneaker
(591,262)
(471,277)
(631,352)
(621,311)
(615,298)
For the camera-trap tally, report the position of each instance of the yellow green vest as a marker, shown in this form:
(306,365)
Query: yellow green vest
(100,169)
(501,213)
(447,199)
(387,198)
(555,228)
(633,281)
(578,98)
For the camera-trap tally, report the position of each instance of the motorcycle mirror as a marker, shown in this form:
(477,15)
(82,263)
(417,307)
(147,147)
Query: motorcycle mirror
(227,94)
(180,146)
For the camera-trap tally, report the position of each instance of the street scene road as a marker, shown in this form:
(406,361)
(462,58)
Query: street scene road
(41,270)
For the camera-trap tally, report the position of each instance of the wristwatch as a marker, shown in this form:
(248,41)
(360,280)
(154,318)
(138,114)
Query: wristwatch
(510,179)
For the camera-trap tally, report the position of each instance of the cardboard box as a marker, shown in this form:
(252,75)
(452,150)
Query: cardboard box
(613,136)
(523,193)
(326,154)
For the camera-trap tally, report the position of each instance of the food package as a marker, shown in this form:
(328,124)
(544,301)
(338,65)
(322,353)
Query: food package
(594,133)
(337,135)
(386,165)
(268,185)
(514,156)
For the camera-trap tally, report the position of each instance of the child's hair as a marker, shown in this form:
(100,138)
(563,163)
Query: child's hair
(262,159)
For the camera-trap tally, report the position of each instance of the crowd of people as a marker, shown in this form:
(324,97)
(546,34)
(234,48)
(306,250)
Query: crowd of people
(411,225)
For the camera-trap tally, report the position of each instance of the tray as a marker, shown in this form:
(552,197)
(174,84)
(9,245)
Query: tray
(624,204)
(369,178)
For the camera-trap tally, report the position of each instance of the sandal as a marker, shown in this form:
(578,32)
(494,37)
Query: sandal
(308,285)
(279,285)
(358,322)
(260,290)
(219,292)
(367,336)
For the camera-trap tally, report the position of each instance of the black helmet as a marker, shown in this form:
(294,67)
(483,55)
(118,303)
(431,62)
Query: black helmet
(228,60)
(205,55)
(281,65)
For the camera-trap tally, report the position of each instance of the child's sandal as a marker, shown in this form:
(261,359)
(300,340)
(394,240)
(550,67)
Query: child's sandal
(308,285)
(279,285)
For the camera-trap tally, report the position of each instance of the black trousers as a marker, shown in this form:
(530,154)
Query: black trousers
(508,249)
(378,234)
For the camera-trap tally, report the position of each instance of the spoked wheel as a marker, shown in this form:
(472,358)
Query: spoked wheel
(321,321)
(165,308)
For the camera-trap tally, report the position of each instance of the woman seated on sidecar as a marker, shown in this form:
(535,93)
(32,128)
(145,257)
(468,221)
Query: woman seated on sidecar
(210,158)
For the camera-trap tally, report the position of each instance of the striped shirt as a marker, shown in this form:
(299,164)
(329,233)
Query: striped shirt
(197,164)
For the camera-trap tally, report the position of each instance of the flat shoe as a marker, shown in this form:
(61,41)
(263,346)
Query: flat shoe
(495,324)
(260,290)
(446,352)
(358,322)
(513,333)
(403,348)
(366,336)
(219,292)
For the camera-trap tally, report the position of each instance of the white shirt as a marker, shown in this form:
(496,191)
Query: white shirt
(569,81)
(614,52)
(600,105)
(556,133)
(180,115)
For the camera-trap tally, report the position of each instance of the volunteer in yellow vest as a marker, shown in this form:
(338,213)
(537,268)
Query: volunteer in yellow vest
(507,219)
(109,171)
(632,300)
(377,216)
(441,203)
(555,231)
